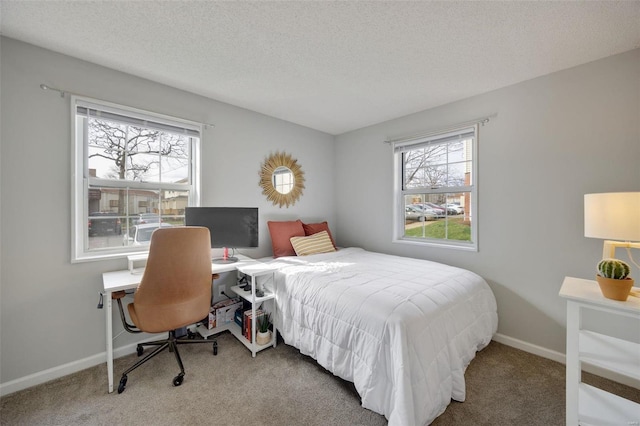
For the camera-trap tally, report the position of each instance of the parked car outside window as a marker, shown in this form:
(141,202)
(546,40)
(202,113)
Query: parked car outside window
(140,235)
(104,223)
(434,208)
(454,209)
(413,212)
(148,218)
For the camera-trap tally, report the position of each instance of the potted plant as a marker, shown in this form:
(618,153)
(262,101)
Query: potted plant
(613,279)
(263,336)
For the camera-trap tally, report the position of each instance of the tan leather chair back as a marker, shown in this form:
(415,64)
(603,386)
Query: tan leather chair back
(175,290)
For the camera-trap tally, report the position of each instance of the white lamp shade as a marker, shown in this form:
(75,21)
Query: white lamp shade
(612,216)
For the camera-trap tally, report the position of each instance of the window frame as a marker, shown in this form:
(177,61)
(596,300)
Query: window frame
(81,181)
(401,145)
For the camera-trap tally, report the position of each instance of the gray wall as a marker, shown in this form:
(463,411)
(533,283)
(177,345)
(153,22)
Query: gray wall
(48,315)
(554,139)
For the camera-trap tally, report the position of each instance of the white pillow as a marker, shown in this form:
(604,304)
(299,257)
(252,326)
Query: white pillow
(313,244)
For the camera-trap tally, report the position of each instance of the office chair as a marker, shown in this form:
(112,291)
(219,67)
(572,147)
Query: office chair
(175,291)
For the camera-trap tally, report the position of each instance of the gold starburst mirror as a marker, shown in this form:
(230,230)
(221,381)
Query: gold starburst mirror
(281,179)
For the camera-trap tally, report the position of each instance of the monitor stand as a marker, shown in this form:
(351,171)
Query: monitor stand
(222,260)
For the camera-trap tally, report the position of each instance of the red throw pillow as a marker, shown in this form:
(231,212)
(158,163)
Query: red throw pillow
(314,228)
(281,232)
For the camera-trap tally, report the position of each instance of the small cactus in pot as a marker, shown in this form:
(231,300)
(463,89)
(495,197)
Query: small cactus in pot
(613,279)
(614,269)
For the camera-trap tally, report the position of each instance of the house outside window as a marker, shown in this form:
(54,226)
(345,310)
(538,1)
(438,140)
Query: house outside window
(436,189)
(132,169)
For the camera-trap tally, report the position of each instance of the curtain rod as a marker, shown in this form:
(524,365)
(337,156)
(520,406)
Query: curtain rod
(482,121)
(63,93)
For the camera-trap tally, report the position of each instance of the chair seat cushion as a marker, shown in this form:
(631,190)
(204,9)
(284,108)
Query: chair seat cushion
(161,318)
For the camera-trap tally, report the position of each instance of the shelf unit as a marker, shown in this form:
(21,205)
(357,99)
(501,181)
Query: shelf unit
(256,272)
(588,405)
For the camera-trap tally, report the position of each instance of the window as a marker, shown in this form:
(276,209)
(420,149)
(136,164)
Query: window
(436,189)
(134,171)
(282,180)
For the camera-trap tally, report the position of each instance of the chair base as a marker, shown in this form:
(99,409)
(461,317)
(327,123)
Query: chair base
(172,343)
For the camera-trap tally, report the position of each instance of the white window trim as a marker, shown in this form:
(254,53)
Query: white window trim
(398,194)
(80,184)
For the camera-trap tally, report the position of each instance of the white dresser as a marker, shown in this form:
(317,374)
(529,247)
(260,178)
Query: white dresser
(588,405)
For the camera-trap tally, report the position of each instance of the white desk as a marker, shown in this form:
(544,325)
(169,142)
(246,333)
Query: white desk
(126,280)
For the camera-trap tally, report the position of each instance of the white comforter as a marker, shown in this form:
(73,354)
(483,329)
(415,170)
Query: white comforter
(402,330)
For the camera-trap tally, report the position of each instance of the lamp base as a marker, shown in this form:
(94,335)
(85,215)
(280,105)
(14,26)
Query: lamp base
(609,247)
(615,289)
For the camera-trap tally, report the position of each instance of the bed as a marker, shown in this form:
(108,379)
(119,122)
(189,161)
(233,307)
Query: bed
(402,330)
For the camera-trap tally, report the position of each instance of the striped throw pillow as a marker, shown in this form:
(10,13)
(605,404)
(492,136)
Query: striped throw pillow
(313,244)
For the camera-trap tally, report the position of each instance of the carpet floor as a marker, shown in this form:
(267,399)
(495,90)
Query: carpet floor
(505,386)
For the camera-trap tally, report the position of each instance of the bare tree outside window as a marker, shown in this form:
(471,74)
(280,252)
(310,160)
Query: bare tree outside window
(125,152)
(134,172)
(437,192)
(434,166)
(136,153)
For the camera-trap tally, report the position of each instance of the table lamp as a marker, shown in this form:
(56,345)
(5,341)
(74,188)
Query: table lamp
(613,217)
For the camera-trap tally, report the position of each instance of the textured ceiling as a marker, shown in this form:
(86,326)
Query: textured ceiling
(331,66)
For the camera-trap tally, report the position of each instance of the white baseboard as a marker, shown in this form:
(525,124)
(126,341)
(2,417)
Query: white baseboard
(51,374)
(82,364)
(66,369)
(530,347)
(561,358)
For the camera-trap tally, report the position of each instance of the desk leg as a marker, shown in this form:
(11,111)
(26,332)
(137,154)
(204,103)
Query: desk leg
(109,320)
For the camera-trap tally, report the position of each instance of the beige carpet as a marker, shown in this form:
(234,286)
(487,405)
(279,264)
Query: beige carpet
(505,386)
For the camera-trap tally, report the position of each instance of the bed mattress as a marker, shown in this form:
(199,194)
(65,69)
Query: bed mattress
(402,330)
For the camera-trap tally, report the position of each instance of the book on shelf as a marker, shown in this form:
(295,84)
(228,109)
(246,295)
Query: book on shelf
(238,317)
(248,323)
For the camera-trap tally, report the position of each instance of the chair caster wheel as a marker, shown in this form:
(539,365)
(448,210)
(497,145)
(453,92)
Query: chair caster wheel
(139,350)
(215,348)
(123,383)
(177,381)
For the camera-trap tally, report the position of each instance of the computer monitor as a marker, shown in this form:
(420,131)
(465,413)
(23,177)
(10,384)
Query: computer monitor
(230,227)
